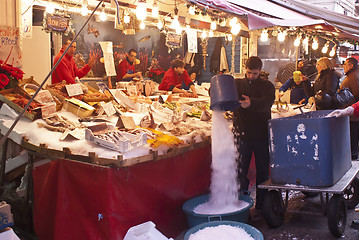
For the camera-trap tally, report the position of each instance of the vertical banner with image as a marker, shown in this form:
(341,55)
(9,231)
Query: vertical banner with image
(26,18)
(10,51)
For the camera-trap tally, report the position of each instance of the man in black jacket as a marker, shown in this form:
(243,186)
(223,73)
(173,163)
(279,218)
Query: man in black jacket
(250,123)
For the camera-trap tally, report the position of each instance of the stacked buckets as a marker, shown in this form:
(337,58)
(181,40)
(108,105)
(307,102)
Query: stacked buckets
(224,97)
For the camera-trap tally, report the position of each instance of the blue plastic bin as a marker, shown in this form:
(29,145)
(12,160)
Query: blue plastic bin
(254,232)
(194,219)
(309,149)
(224,96)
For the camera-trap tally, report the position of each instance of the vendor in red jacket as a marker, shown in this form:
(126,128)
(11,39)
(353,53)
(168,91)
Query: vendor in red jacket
(67,69)
(126,68)
(174,77)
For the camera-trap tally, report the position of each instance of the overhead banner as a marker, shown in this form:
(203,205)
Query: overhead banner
(108,58)
(10,51)
(192,40)
(26,14)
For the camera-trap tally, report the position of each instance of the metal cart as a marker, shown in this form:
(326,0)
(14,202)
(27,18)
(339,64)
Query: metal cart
(345,193)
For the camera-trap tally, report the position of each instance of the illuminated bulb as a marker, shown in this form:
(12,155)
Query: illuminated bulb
(126,19)
(297,42)
(141,11)
(142,25)
(264,36)
(281,36)
(84,10)
(179,30)
(325,48)
(332,52)
(236,28)
(213,26)
(306,41)
(175,23)
(155,10)
(315,44)
(230,37)
(223,23)
(103,15)
(210,34)
(187,28)
(204,35)
(50,9)
(233,21)
(159,25)
(192,10)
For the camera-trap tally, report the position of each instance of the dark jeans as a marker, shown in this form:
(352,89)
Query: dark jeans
(261,154)
(354,128)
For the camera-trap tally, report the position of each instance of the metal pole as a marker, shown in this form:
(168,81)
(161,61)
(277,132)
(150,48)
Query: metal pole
(2,141)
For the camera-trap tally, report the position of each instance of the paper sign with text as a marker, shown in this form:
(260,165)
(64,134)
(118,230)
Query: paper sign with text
(74,89)
(44,96)
(108,108)
(48,109)
(108,58)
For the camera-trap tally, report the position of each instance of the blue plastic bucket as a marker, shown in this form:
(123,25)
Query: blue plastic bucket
(254,232)
(224,94)
(194,219)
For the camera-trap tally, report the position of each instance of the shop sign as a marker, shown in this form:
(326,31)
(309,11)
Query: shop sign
(56,23)
(173,40)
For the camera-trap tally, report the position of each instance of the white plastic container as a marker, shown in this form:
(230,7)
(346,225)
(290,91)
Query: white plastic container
(145,231)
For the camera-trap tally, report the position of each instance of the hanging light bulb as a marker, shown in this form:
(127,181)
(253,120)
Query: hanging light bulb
(155,10)
(281,36)
(297,42)
(204,35)
(103,15)
(264,36)
(315,44)
(84,10)
(233,21)
(306,41)
(223,23)
(142,25)
(141,10)
(50,7)
(210,34)
(213,26)
(333,51)
(236,28)
(229,37)
(175,23)
(126,18)
(192,10)
(179,30)
(325,48)
(159,24)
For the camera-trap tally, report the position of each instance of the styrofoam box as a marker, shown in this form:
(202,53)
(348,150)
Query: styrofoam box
(145,231)
(309,149)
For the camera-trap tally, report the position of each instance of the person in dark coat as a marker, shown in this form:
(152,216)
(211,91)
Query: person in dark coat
(250,125)
(324,86)
(297,94)
(351,82)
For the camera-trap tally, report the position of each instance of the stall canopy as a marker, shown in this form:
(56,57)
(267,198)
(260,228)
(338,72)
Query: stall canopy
(259,14)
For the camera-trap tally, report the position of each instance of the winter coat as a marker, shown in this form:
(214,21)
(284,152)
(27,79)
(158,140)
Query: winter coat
(252,122)
(297,91)
(327,81)
(352,82)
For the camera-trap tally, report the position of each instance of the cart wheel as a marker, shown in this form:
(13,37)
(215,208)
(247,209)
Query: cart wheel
(310,194)
(337,215)
(273,209)
(351,194)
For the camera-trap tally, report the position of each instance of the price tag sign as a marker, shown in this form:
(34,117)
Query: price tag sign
(48,110)
(74,89)
(44,96)
(108,108)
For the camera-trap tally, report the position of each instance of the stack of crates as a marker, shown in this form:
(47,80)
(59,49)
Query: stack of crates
(309,149)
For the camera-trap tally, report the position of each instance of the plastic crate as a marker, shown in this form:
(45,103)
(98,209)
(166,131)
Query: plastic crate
(309,149)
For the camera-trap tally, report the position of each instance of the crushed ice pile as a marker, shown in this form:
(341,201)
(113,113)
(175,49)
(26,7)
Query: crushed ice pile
(224,191)
(221,232)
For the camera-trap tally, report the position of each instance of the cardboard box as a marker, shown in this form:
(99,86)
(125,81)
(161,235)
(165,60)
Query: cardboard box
(78,107)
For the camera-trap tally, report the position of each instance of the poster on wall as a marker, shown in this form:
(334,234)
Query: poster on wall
(108,58)
(26,14)
(10,51)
